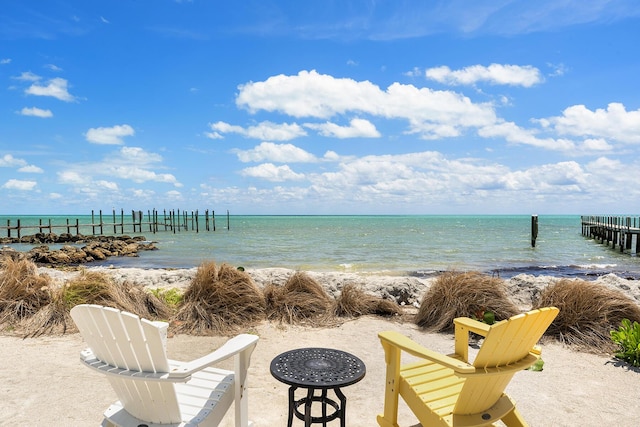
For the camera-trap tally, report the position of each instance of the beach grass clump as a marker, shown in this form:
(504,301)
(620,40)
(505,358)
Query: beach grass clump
(301,300)
(22,291)
(355,302)
(92,287)
(454,294)
(589,311)
(219,301)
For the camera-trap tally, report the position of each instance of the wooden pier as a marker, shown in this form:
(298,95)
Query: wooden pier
(153,222)
(622,232)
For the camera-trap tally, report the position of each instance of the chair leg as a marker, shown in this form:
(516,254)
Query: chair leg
(514,419)
(389,418)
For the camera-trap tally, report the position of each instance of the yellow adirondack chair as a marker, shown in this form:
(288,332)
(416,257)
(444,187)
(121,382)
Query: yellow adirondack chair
(451,391)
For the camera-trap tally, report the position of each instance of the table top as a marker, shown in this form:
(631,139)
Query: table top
(317,368)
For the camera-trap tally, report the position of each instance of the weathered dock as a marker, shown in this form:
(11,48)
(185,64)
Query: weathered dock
(622,232)
(154,221)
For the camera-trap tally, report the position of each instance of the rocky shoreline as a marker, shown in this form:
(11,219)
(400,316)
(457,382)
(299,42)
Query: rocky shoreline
(405,290)
(76,249)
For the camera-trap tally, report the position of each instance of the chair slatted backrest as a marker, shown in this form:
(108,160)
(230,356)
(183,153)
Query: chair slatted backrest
(506,343)
(125,341)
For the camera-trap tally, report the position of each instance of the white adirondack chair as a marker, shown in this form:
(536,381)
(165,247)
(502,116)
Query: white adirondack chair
(152,389)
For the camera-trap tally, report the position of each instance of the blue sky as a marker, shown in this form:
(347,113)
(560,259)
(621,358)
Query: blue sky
(320,107)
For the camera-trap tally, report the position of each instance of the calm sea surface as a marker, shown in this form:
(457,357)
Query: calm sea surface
(417,245)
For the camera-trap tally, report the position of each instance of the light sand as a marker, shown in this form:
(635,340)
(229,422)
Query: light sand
(42,382)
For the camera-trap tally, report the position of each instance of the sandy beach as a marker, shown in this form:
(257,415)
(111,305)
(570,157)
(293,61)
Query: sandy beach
(44,384)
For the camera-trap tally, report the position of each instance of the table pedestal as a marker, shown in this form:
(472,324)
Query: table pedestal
(338,408)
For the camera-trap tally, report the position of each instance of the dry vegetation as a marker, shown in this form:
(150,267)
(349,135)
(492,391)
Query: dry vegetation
(92,288)
(224,300)
(31,305)
(354,302)
(22,291)
(219,301)
(301,300)
(588,312)
(456,294)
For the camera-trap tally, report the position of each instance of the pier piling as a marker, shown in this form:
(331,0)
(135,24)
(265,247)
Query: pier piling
(534,230)
(613,231)
(169,221)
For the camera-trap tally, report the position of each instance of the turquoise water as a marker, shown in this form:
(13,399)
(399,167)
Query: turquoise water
(418,245)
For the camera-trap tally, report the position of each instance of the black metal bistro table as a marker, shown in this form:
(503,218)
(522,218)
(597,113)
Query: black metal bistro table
(317,369)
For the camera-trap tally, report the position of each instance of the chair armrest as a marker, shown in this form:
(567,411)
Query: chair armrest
(472,325)
(232,347)
(406,344)
(464,325)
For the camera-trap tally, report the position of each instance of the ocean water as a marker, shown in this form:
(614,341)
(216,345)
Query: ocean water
(415,245)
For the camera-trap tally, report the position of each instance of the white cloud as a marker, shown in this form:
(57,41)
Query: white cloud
(517,135)
(106,185)
(266,131)
(612,123)
(138,156)
(129,163)
(8,161)
(73,177)
(213,135)
(5,61)
(280,153)
(271,172)
(16,184)
(497,74)
(358,128)
(597,144)
(104,20)
(432,114)
(53,67)
(308,94)
(31,169)
(140,175)
(109,136)
(56,88)
(36,112)
(28,76)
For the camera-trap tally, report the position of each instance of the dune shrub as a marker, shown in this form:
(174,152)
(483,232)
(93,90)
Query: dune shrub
(588,313)
(22,290)
(627,338)
(454,294)
(91,287)
(355,302)
(301,300)
(219,301)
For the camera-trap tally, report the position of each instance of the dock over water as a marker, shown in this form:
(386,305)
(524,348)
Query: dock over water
(138,222)
(619,232)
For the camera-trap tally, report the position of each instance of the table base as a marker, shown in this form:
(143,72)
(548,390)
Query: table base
(339,408)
